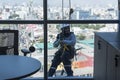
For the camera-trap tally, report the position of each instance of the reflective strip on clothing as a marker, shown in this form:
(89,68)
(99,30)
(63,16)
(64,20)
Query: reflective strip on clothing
(67,65)
(53,68)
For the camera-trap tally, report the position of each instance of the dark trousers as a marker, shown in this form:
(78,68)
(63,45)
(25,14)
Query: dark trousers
(61,57)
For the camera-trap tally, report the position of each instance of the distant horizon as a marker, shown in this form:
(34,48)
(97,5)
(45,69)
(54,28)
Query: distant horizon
(66,2)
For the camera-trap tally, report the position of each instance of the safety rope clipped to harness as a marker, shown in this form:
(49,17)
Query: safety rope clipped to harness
(65,47)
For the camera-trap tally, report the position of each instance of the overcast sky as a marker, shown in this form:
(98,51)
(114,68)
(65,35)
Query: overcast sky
(59,2)
(84,2)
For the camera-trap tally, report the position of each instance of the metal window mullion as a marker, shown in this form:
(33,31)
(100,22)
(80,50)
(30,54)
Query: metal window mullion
(45,39)
(21,22)
(119,15)
(45,21)
(83,21)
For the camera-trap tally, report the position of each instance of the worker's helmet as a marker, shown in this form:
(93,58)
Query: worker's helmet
(65,29)
(64,26)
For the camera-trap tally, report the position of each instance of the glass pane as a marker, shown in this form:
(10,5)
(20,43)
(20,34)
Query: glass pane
(21,10)
(30,35)
(82,10)
(83,61)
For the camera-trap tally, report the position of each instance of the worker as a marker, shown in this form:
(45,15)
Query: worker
(66,41)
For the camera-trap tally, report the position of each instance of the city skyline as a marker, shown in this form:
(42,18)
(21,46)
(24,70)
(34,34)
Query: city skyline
(66,2)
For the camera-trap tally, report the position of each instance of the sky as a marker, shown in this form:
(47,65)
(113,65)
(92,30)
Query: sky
(59,2)
(85,2)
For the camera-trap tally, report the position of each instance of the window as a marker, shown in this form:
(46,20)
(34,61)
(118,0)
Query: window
(82,10)
(21,10)
(39,20)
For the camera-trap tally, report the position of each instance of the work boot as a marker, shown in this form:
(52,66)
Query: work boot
(69,71)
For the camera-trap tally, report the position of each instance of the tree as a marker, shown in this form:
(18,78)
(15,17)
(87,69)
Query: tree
(80,37)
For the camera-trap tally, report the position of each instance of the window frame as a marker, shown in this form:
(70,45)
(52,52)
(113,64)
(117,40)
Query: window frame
(45,22)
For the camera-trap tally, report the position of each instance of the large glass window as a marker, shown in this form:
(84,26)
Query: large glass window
(82,10)
(83,62)
(38,22)
(21,10)
(30,35)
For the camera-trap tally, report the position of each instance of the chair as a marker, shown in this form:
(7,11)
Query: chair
(9,42)
(28,51)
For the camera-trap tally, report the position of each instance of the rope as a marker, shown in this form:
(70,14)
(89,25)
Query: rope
(65,47)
